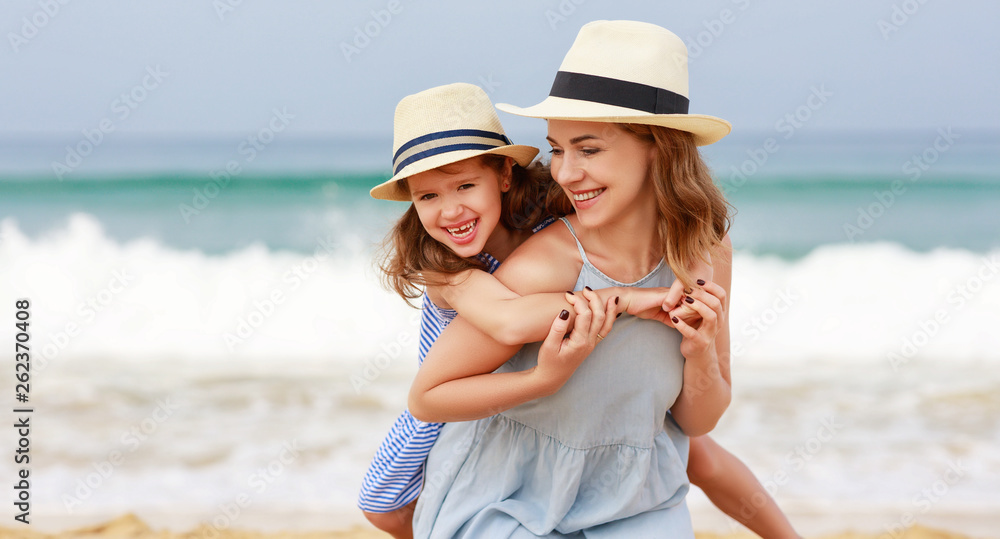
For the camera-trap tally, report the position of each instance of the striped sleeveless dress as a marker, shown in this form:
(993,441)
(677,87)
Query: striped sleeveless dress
(396,474)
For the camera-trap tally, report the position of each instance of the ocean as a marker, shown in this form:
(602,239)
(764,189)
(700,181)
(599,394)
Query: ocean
(210,338)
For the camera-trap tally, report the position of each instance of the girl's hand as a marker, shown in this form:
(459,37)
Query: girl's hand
(708,300)
(661,304)
(565,348)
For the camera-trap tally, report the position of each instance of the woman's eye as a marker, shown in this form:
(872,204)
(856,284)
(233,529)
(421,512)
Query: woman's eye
(555,151)
(590,151)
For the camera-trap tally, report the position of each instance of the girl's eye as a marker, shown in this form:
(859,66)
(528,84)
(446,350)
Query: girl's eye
(428,196)
(466,186)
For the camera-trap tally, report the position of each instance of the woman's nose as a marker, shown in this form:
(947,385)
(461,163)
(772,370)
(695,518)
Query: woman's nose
(566,171)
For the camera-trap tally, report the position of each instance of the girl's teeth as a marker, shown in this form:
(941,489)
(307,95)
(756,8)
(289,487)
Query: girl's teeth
(464,230)
(588,195)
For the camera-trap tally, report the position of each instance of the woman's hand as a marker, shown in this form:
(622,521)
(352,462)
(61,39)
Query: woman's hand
(565,348)
(708,300)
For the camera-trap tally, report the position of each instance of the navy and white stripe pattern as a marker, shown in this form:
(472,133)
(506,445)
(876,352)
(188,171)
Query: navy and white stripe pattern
(396,474)
(446,141)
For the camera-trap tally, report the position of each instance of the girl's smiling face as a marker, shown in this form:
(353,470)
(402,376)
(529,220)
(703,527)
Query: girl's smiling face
(602,169)
(459,204)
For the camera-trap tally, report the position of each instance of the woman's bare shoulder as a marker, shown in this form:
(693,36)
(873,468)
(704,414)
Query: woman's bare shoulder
(548,261)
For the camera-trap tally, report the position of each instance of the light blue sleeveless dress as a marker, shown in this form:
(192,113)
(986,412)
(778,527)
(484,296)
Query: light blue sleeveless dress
(601,458)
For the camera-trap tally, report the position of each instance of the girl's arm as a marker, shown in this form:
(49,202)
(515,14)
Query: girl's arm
(512,319)
(448,390)
(707,388)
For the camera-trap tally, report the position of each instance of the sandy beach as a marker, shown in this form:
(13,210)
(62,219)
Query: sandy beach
(130,526)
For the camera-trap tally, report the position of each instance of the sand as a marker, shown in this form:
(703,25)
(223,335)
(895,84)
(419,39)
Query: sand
(131,527)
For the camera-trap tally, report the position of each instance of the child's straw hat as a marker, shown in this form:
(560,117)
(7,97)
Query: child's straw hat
(441,126)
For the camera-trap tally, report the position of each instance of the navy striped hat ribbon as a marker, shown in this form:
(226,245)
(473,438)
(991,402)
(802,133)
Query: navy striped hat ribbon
(446,141)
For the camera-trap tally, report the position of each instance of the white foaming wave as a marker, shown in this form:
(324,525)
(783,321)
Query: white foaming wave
(877,302)
(96,299)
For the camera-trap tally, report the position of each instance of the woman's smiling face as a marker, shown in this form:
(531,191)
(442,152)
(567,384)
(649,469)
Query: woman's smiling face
(459,204)
(602,169)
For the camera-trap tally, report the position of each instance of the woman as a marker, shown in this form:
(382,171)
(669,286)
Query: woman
(605,454)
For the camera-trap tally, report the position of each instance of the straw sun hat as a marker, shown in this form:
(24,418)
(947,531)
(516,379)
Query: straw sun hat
(444,125)
(625,72)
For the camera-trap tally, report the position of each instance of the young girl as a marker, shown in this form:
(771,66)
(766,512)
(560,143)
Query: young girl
(471,206)
(601,456)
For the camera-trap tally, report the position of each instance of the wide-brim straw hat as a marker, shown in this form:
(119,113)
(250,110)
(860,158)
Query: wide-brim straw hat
(625,72)
(444,125)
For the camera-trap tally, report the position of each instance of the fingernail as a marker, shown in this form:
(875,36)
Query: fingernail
(688,290)
(674,318)
(564,314)
(619,315)
(570,292)
(701,282)
(689,299)
(616,300)
(589,288)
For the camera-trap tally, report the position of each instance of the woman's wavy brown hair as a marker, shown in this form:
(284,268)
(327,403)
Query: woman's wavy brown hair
(694,214)
(410,258)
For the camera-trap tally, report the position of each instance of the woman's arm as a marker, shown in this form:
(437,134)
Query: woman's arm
(707,388)
(447,389)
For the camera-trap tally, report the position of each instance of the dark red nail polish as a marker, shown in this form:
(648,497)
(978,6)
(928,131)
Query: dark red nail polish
(570,292)
(701,282)
(589,288)
(619,315)
(616,300)
(674,318)
(564,314)
(689,299)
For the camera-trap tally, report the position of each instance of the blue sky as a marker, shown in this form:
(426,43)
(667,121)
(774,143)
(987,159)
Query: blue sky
(223,66)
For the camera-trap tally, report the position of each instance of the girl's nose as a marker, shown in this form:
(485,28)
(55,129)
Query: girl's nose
(452,208)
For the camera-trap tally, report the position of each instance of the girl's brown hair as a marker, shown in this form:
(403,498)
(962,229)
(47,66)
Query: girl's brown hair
(694,214)
(410,258)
